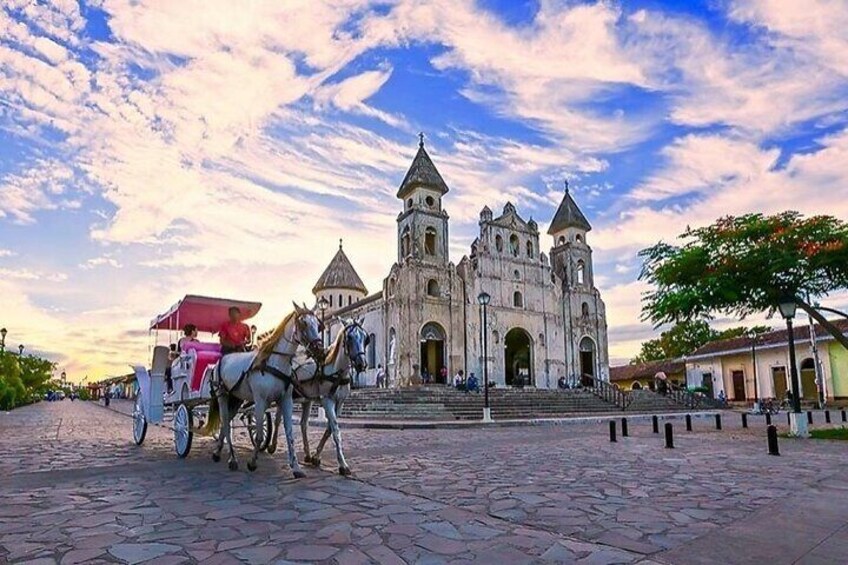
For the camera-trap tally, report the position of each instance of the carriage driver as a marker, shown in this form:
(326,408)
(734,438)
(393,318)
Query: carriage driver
(234,334)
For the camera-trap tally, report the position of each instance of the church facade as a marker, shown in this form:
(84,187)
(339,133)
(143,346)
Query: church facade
(545,319)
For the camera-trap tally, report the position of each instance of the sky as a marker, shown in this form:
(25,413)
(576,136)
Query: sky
(150,149)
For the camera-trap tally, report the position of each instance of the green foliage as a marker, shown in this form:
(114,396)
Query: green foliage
(833,433)
(742,265)
(685,337)
(22,379)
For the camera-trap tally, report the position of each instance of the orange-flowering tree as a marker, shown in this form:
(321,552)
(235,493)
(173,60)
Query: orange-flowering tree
(746,264)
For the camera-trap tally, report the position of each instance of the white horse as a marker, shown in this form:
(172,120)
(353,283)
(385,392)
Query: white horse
(329,383)
(263,376)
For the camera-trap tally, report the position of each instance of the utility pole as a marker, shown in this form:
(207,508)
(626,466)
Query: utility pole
(820,385)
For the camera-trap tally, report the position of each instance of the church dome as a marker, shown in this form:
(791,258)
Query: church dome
(339,274)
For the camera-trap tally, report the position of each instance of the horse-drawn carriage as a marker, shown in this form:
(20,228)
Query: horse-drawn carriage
(290,365)
(189,368)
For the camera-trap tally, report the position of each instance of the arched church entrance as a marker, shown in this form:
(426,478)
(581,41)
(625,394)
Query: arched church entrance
(432,351)
(587,357)
(518,349)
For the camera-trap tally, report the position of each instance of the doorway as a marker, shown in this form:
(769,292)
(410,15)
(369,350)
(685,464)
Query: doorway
(517,358)
(432,352)
(778,379)
(707,383)
(587,357)
(738,385)
(809,390)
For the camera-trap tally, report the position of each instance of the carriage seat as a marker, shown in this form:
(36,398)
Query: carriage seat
(205,354)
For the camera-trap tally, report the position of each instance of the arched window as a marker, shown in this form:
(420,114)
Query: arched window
(516,275)
(341,301)
(514,245)
(499,243)
(581,272)
(517,300)
(561,240)
(392,285)
(530,249)
(405,248)
(349,300)
(409,203)
(430,201)
(584,310)
(331,301)
(430,241)
(433,287)
(579,238)
(371,352)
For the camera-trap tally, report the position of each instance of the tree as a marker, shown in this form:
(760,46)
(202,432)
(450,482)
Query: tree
(22,379)
(685,337)
(742,265)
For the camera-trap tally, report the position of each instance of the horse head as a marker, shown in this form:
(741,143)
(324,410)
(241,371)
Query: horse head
(308,331)
(356,344)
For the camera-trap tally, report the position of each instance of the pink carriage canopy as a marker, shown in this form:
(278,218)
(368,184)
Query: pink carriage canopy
(205,312)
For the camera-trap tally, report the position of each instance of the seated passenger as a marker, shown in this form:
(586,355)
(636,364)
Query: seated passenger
(234,334)
(189,335)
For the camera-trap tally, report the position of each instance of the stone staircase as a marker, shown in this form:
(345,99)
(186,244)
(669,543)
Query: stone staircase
(440,403)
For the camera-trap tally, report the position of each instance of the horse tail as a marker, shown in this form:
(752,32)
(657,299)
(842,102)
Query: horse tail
(214,421)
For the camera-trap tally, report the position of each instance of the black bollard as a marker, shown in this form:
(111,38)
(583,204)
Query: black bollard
(772,441)
(744,420)
(612,431)
(768,419)
(624,427)
(788,418)
(827,416)
(688,423)
(809,417)
(656,422)
(844,419)
(718,421)
(669,436)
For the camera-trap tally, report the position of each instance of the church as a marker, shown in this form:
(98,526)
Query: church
(545,317)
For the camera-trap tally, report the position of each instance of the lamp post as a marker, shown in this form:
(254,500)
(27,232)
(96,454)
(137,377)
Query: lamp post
(483,298)
(21,350)
(787,307)
(753,337)
(322,305)
(3,333)
(64,377)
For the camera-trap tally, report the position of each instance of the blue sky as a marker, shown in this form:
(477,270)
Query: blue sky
(150,149)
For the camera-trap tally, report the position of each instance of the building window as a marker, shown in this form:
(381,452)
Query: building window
(499,243)
(516,275)
(331,301)
(513,245)
(581,272)
(430,202)
(404,243)
(341,301)
(584,310)
(517,300)
(430,241)
(579,238)
(530,249)
(372,350)
(409,203)
(433,287)
(349,300)
(561,240)
(392,285)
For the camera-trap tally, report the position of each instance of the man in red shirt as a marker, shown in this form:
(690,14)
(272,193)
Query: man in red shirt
(234,334)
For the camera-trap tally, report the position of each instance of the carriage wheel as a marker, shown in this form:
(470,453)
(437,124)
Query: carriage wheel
(183,433)
(139,421)
(251,430)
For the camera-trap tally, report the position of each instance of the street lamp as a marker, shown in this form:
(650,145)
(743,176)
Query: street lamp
(483,298)
(21,350)
(63,376)
(3,333)
(787,308)
(323,305)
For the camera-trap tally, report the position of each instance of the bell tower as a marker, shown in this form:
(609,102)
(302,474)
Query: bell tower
(423,223)
(571,256)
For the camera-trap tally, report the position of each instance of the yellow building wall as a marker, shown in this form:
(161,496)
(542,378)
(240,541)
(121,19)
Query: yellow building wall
(838,357)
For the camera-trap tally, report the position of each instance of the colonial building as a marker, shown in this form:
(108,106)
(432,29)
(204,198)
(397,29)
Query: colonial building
(546,318)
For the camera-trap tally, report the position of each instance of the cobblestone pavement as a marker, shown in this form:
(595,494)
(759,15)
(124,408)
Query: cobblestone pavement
(75,489)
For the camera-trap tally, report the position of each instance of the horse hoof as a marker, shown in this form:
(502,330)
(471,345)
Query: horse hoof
(299,474)
(344,471)
(216,457)
(251,466)
(233,466)
(271,449)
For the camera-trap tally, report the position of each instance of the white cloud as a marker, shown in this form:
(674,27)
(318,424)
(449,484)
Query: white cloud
(29,275)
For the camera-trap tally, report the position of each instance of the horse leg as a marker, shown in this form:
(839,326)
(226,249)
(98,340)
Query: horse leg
(278,416)
(227,415)
(316,459)
(305,411)
(333,422)
(259,407)
(288,408)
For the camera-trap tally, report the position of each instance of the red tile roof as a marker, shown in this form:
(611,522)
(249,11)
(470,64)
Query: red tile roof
(774,338)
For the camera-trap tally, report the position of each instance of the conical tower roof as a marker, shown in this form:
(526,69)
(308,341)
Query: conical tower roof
(568,215)
(422,172)
(339,274)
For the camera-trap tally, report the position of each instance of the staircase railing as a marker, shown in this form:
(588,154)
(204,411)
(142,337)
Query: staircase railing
(609,393)
(689,399)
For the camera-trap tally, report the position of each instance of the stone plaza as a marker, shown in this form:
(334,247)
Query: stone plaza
(75,489)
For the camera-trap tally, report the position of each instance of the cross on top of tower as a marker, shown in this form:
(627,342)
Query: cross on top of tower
(420,139)
(566,185)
